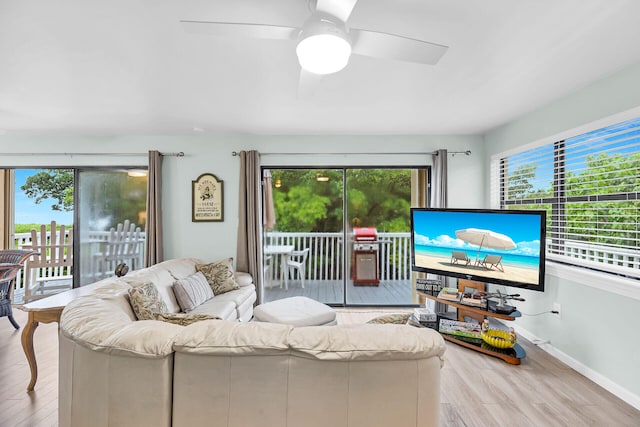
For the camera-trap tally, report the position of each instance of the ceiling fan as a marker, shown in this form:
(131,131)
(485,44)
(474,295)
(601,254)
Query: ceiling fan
(325,42)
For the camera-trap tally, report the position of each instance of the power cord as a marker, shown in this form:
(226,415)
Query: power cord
(544,312)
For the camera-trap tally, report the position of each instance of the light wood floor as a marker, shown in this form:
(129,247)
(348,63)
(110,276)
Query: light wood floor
(477,390)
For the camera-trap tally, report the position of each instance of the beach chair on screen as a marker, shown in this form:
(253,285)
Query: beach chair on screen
(491,261)
(458,257)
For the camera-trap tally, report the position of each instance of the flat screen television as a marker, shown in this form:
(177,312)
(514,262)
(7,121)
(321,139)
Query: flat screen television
(493,246)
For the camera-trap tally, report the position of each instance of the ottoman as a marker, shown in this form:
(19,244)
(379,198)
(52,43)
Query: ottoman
(295,311)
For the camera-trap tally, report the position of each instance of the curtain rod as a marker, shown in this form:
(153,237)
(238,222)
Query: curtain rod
(174,154)
(453,153)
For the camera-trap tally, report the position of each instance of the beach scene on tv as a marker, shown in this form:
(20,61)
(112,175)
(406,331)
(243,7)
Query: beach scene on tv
(490,245)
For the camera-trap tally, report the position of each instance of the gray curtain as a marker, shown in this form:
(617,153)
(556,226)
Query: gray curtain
(439,180)
(439,200)
(153,253)
(269,215)
(249,252)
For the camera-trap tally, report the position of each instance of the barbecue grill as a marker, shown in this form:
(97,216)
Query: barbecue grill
(365,256)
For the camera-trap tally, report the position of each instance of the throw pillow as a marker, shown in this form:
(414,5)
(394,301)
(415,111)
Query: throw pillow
(184,319)
(399,319)
(192,291)
(146,301)
(220,275)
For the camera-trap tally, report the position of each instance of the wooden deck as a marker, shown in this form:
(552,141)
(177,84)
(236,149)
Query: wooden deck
(387,293)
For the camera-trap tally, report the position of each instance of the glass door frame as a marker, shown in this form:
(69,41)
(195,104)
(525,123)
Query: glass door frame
(419,196)
(76,211)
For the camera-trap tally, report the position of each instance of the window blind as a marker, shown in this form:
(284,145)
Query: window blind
(589,186)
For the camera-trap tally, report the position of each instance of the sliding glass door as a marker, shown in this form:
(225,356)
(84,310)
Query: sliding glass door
(341,235)
(377,221)
(110,221)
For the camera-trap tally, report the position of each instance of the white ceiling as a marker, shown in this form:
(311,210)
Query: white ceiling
(127,66)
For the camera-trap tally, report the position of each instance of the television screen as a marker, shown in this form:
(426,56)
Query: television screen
(492,246)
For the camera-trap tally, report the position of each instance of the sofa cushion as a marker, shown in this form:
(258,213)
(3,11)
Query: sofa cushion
(226,310)
(234,338)
(366,342)
(220,275)
(184,319)
(238,296)
(160,277)
(180,267)
(146,301)
(192,291)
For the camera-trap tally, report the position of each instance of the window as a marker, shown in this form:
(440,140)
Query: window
(589,185)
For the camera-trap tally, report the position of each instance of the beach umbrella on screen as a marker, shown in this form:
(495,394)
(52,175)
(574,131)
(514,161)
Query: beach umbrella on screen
(485,239)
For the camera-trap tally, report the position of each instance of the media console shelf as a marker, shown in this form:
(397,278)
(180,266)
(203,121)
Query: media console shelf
(510,355)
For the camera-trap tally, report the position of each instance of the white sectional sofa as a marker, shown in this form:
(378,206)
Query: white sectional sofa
(116,370)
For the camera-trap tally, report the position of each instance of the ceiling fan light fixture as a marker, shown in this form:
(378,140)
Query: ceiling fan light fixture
(323,53)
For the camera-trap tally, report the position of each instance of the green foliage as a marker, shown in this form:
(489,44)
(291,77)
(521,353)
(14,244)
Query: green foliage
(54,184)
(608,222)
(26,228)
(120,197)
(299,209)
(378,198)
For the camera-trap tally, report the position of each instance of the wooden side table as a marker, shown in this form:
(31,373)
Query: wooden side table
(46,310)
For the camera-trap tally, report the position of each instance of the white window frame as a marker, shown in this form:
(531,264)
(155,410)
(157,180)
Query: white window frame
(583,273)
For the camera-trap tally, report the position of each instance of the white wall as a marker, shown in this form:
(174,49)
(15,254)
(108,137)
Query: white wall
(597,331)
(213,154)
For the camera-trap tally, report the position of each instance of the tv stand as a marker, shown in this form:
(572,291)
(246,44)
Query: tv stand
(510,355)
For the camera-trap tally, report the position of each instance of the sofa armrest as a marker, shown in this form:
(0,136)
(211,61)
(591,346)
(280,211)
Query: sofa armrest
(243,279)
(106,324)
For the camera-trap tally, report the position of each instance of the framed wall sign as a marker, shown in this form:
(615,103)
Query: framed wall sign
(207,200)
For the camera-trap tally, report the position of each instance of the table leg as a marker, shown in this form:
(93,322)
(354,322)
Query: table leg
(283,271)
(46,315)
(27,346)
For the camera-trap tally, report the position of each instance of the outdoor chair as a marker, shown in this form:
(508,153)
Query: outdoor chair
(11,262)
(123,245)
(50,268)
(491,261)
(296,262)
(459,256)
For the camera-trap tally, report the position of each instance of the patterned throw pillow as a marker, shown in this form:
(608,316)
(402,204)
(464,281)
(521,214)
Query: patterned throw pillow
(192,291)
(399,319)
(146,301)
(183,319)
(220,275)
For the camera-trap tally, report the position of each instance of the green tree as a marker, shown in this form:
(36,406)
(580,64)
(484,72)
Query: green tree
(375,197)
(54,184)
(614,221)
(519,184)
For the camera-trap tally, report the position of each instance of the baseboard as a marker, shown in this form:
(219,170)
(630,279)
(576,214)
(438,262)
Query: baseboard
(604,382)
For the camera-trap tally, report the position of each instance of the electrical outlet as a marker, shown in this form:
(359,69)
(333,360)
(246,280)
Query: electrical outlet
(556,307)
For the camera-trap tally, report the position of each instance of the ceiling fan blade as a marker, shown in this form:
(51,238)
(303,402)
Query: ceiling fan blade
(238,29)
(308,83)
(391,46)
(339,8)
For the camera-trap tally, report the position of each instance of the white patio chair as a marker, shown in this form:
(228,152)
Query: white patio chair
(296,262)
(51,268)
(122,246)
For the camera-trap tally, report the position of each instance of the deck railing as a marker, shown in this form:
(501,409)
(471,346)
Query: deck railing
(326,256)
(24,239)
(603,254)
